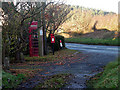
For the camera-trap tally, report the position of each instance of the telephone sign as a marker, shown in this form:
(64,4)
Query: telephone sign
(41,32)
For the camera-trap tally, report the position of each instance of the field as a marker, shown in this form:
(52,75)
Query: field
(94,41)
(99,37)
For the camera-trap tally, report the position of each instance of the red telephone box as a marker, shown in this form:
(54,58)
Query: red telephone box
(52,38)
(33,40)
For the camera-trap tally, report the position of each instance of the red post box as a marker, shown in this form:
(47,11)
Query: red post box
(52,38)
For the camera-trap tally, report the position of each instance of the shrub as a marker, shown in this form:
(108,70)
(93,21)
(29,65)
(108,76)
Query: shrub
(57,42)
(58,38)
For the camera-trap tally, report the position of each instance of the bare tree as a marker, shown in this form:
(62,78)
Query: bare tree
(16,18)
(15,26)
(56,14)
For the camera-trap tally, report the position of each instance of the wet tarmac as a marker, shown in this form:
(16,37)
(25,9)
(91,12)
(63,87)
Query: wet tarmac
(90,62)
(98,57)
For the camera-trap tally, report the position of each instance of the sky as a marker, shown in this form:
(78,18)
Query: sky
(106,5)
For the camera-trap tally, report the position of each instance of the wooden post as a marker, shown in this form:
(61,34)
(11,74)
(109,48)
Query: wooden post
(0,50)
(40,35)
(41,42)
(53,47)
(22,57)
(6,63)
(44,28)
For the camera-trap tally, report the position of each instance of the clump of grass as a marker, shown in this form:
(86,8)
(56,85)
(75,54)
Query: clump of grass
(29,73)
(11,81)
(55,81)
(106,79)
(36,58)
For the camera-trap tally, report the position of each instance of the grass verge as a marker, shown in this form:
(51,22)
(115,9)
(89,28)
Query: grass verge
(11,81)
(58,56)
(114,42)
(55,81)
(27,72)
(106,79)
(33,64)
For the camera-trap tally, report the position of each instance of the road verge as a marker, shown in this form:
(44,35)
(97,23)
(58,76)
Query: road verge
(91,41)
(106,79)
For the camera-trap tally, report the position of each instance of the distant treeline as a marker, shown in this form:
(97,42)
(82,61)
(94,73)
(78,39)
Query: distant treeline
(83,20)
(94,11)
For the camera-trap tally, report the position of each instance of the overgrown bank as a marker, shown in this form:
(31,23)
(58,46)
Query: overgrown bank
(106,79)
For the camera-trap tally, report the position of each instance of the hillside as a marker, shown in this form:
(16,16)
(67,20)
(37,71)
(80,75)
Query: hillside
(100,34)
(83,20)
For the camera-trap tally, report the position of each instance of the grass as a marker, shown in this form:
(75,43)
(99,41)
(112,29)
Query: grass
(58,55)
(55,81)
(94,41)
(106,79)
(11,81)
(29,73)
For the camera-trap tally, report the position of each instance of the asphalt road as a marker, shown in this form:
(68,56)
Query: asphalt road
(98,57)
(104,53)
(90,61)
(94,48)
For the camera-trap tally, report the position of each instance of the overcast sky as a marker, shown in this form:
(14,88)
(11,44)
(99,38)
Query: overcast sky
(107,5)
